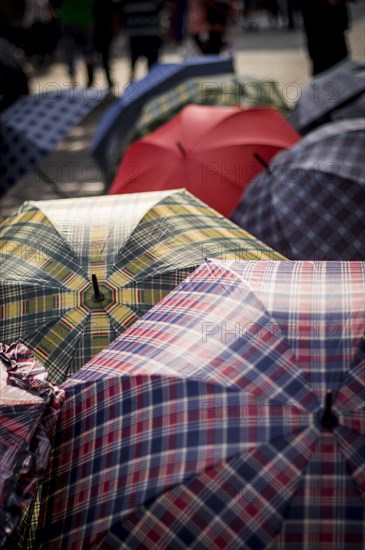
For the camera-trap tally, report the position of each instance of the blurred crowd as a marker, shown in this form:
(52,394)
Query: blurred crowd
(37,29)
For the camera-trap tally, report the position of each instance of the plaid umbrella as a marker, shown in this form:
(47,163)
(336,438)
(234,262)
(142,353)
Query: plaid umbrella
(222,90)
(309,204)
(75,273)
(33,126)
(331,90)
(29,406)
(118,121)
(231,416)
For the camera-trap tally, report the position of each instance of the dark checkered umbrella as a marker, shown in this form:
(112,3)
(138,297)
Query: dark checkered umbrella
(310,202)
(29,406)
(327,93)
(230,417)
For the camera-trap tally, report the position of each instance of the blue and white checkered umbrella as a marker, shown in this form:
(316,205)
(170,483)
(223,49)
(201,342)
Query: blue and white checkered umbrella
(118,121)
(310,203)
(33,126)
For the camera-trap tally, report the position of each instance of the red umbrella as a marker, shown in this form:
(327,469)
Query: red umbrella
(212,151)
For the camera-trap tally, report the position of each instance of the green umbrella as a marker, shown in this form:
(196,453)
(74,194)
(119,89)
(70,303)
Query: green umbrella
(218,90)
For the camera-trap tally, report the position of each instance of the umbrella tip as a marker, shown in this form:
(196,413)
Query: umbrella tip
(98,296)
(181,148)
(328,420)
(262,162)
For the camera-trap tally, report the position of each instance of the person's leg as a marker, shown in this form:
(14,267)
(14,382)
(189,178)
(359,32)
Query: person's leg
(151,46)
(87,48)
(134,52)
(68,45)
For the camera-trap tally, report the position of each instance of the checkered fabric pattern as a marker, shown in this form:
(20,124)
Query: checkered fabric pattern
(33,126)
(310,203)
(220,90)
(327,92)
(201,426)
(116,124)
(29,406)
(140,247)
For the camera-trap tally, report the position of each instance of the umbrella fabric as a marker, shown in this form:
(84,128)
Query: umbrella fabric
(202,426)
(29,407)
(329,91)
(33,126)
(139,247)
(310,203)
(210,150)
(118,121)
(223,90)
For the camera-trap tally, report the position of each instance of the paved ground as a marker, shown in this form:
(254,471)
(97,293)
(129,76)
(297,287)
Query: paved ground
(269,53)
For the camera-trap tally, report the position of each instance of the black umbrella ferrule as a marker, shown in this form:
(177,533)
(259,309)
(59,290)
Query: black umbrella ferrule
(98,296)
(262,162)
(328,420)
(181,148)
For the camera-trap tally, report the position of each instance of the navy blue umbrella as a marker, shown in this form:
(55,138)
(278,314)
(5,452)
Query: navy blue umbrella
(119,119)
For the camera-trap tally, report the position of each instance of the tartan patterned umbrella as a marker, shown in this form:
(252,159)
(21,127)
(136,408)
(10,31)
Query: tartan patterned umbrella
(330,91)
(29,406)
(210,150)
(220,90)
(138,247)
(309,204)
(231,416)
(33,126)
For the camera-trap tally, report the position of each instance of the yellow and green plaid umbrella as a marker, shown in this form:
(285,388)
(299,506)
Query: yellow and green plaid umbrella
(217,90)
(75,273)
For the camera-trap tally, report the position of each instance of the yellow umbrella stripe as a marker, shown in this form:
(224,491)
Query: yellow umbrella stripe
(59,332)
(121,314)
(99,329)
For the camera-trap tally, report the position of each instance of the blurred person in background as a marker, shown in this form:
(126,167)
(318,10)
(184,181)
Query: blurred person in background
(77,18)
(142,24)
(42,30)
(13,79)
(325,23)
(207,23)
(104,33)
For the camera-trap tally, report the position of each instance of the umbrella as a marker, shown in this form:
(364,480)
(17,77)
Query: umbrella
(33,126)
(209,150)
(331,90)
(309,204)
(118,121)
(224,90)
(231,416)
(29,406)
(75,273)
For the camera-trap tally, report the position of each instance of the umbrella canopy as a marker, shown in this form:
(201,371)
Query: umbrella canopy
(309,204)
(209,150)
(331,90)
(29,407)
(231,416)
(118,121)
(224,90)
(33,126)
(75,273)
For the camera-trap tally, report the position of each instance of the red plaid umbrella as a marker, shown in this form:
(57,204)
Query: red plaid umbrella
(230,416)
(210,150)
(29,406)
